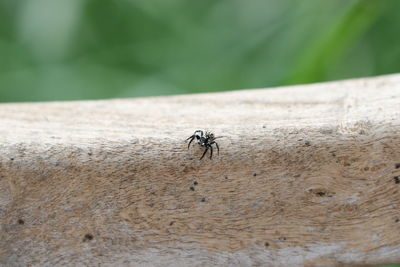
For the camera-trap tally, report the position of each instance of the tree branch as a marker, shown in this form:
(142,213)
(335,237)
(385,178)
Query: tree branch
(306,175)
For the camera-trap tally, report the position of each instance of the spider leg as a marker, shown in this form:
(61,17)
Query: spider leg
(199,131)
(205,151)
(211,150)
(191,140)
(190,137)
(213,142)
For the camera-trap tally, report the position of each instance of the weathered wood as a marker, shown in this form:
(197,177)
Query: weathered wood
(306,176)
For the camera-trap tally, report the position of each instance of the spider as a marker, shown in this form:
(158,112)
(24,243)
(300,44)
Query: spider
(206,140)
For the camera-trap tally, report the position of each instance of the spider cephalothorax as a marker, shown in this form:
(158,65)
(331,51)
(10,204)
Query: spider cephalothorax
(205,139)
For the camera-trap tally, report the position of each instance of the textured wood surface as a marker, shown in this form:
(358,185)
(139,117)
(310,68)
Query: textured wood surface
(307,175)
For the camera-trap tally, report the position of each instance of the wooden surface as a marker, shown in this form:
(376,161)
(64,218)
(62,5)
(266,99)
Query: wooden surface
(306,176)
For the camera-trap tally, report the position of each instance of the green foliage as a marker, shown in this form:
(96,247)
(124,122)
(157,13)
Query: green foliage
(90,49)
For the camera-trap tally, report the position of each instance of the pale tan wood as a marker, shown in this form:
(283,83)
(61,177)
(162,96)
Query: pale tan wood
(306,176)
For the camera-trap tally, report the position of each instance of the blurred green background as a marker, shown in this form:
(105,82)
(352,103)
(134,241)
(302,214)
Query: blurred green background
(91,49)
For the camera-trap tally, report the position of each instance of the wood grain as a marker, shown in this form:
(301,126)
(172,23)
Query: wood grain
(307,175)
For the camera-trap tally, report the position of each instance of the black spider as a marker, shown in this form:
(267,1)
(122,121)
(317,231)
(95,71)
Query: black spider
(206,140)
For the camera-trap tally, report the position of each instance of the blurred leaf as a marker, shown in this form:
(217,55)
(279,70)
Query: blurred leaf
(332,44)
(89,49)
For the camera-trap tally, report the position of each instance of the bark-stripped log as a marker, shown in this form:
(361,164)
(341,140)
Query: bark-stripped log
(307,175)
